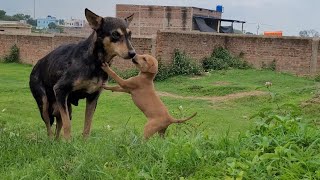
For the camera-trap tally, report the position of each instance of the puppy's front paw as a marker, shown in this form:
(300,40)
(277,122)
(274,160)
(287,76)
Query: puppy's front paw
(105,66)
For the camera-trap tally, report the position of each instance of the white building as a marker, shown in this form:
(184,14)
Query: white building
(77,23)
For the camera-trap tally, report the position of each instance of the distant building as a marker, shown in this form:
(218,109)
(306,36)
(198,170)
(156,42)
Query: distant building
(85,30)
(76,23)
(14,27)
(42,23)
(149,19)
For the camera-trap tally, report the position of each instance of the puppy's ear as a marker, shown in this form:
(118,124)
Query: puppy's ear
(129,19)
(93,19)
(153,67)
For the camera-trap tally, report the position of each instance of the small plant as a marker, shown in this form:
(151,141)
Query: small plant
(272,66)
(184,65)
(317,78)
(163,71)
(221,59)
(181,65)
(14,55)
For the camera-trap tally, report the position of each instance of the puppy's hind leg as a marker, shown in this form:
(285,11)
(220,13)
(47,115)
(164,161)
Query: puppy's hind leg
(162,132)
(153,127)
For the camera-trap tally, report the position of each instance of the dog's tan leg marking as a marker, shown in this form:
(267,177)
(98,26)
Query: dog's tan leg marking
(90,108)
(66,124)
(115,89)
(45,115)
(58,126)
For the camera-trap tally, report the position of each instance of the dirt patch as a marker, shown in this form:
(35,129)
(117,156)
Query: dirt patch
(314,100)
(215,98)
(221,83)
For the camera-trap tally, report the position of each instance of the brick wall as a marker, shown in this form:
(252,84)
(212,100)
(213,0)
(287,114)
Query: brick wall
(300,56)
(292,54)
(34,47)
(148,20)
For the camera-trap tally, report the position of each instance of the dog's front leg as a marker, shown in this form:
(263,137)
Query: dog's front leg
(91,104)
(114,75)
(61,92)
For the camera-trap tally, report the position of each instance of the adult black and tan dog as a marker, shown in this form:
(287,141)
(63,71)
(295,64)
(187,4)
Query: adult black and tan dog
(72,72)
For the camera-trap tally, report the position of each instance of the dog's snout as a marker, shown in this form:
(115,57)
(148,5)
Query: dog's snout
(132,54)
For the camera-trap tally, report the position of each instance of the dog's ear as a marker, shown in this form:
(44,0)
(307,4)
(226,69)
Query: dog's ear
(93,19)
(129,19)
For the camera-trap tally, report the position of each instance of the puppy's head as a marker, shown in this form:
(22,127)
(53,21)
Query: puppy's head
(113,34)
(146,63)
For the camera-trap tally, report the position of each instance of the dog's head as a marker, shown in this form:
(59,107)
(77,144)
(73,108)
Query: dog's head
(146,63)
(113,33)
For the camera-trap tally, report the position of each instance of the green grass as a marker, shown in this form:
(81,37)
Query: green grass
(199,149)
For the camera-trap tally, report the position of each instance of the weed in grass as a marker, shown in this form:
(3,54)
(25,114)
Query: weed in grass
(14,55)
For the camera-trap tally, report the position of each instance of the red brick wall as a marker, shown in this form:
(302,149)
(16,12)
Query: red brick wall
(34,47)
(197,45)
(291,54)
(149,19)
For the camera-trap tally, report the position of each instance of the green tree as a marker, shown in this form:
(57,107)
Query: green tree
(19,16)
(52,25)
(61,21)
(309,33)
(2,14)
(32,22)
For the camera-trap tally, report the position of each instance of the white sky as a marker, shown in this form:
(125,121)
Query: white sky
(289,16)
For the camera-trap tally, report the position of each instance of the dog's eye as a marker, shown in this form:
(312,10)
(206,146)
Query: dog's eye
(144,59)
(115,35)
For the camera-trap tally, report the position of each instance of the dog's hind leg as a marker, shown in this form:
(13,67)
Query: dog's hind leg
(58,126)
(61,93)
(91,103)
(40,96)
(59,120)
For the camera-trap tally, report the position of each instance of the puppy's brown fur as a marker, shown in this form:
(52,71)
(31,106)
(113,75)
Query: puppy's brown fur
(144,96)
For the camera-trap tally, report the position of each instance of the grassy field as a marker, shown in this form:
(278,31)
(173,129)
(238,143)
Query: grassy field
(200,149)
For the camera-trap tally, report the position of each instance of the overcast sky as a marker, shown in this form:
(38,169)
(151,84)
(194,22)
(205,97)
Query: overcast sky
(289,16)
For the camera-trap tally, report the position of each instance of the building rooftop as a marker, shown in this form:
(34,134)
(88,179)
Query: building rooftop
(168,6)
(14,24)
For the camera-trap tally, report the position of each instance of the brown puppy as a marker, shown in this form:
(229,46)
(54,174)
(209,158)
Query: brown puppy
(144,96)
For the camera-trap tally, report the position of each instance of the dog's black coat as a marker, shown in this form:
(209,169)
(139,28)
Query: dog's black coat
(66,63)
(53,76)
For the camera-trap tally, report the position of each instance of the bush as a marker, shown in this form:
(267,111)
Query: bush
(317,78)
(14,55)
(221,59)
(181,65)
(184,65)
(271,66)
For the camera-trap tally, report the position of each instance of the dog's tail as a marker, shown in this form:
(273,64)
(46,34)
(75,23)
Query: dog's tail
(183,120)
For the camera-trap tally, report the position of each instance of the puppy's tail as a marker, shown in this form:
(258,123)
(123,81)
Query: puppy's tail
(183,120)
